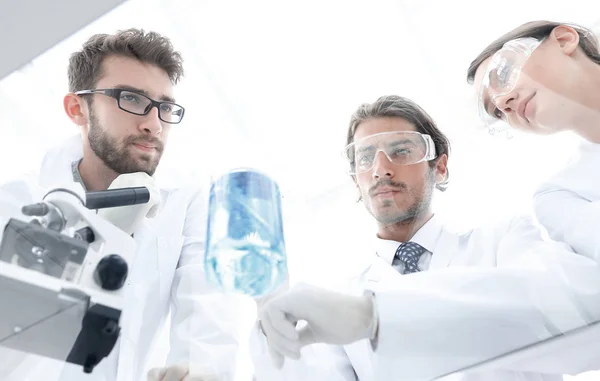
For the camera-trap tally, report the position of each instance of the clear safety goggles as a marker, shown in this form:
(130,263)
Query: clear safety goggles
(501,77)
(400,148)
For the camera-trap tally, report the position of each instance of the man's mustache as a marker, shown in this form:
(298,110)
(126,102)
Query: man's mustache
(146,141)
(400,186)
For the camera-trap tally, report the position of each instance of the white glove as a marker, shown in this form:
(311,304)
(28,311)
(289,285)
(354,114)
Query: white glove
(127,218)
(331,317)
(260,302)
(178,373)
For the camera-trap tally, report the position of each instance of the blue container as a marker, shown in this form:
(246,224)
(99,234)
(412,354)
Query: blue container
(245,249)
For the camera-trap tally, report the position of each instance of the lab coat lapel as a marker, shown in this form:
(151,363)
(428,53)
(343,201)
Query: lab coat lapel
(378,273)
(446,249)
(147,261)
(132,315)
(378,276)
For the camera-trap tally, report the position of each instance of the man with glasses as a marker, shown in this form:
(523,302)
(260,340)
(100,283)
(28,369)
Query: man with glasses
(544,77)
(432,301)
(122,98)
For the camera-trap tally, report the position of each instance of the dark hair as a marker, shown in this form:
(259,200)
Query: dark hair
(85,66)
(539,30)
(400,107)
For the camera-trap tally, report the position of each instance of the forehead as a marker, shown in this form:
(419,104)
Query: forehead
(387,124)
(126,71)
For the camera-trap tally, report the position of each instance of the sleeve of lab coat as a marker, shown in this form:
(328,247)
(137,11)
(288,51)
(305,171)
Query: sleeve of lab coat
(569,217)
(437,322)
(206,324)
(318,362)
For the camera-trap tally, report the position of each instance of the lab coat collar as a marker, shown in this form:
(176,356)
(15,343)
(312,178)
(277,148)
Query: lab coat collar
(427,236)
(56,165)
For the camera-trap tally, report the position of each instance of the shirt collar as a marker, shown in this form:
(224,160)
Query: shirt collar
(427,236)
(76,174)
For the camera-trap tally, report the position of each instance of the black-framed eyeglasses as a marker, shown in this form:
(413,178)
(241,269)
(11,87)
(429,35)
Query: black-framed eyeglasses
(139,104)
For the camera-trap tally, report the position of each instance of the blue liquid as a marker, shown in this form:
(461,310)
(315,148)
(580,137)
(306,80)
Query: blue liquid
(245,250)
(246,268)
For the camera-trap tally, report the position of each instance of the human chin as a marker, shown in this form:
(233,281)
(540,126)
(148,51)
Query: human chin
(391,215)
(134,161)
(386,206)
(148,163)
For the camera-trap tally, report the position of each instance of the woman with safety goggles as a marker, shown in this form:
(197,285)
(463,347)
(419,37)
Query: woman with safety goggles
(544,77)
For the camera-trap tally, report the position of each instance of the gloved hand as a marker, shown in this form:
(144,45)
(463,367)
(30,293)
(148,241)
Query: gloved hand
(179,372)
(127,218)
(260,302)
(330,317)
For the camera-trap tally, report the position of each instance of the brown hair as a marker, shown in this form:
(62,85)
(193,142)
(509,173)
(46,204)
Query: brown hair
(400,107)
(539,30)
(85,66)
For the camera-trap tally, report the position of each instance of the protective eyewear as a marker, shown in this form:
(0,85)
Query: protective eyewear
(400,148)
(501,77)
(139,104)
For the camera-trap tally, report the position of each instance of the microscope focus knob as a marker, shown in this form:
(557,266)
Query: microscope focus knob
(111,272)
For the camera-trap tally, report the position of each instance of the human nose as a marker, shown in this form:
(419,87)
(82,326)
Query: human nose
(151,125)
(382,166)
(506,102)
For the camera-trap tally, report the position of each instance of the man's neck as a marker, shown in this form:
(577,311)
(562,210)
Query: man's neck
(96,176)
(405,230)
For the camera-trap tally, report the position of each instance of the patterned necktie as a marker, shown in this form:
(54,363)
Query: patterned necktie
(408,253)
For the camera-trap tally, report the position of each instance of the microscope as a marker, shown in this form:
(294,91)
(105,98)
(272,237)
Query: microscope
(62,275)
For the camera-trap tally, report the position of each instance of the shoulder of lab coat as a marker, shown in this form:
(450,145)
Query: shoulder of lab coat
(568,204)
(439,321)
(318,362)
(59,158)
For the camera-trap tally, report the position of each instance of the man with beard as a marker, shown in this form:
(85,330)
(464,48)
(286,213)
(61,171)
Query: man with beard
(121,96)
(431,301)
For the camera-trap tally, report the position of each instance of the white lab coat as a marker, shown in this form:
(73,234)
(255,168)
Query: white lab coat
(568,204)
(487,291)
(168,272)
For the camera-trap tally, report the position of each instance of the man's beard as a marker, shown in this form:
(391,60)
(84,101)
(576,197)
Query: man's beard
(417,208)
(118,157)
